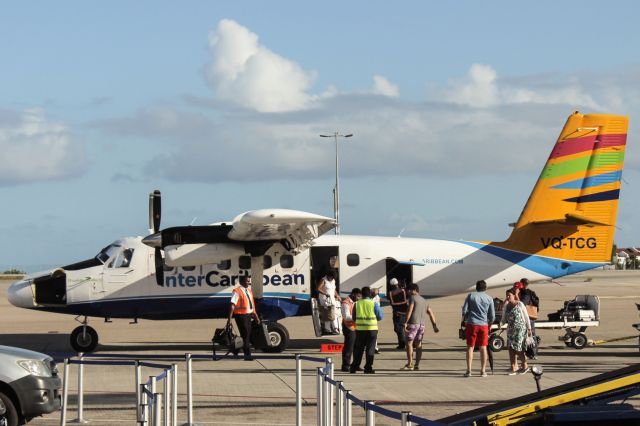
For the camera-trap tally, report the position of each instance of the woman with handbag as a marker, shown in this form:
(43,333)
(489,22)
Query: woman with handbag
(515,315)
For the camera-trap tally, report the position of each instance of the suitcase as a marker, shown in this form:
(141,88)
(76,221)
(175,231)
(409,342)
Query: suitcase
(226,338)
(260,336)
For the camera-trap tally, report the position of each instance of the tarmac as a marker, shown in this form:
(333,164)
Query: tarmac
(262,392)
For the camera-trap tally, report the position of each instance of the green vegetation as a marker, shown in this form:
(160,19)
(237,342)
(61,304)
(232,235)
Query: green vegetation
(14,271)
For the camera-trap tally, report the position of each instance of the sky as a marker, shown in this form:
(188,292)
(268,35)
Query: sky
(454,108)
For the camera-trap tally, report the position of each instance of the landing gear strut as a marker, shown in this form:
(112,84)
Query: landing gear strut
(83,338)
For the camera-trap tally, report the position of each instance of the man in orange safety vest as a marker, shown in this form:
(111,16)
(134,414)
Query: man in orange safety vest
(243,308)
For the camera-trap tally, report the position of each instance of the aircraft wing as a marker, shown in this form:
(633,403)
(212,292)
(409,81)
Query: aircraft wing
(298,228)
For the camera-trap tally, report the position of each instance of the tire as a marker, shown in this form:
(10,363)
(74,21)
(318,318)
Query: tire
(496,343)
(11,417)
(279,337)
(579,341)
(81,342)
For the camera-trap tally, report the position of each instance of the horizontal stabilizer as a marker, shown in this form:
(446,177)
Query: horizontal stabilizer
(572,219)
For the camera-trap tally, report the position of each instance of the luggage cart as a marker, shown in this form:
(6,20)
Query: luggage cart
(581,313)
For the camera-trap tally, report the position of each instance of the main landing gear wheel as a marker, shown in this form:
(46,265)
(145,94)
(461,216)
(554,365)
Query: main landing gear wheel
(279,337)
(84,339)
(579,341)
(496,343)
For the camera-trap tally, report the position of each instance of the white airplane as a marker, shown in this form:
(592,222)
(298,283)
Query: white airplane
(187,272)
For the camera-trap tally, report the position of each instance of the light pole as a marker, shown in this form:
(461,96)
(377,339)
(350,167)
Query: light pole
(336,189)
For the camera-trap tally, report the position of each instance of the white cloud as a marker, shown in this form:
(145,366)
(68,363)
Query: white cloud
(36,148)
(481,88)
(246,73)
(382,86)
(477,90)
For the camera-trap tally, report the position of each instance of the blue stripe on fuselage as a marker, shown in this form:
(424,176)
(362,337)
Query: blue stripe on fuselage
(547,266)
(273,307)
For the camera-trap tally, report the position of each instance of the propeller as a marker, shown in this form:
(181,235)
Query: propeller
(155,205)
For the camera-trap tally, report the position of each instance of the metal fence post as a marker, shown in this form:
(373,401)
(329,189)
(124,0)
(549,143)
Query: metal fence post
(370,415)
(144,405)
(157,405)
(319,395)
(174,394)
(348,408)
(405,419)
(339,404)
(166,397)
(298,390)
(138,370)
(189,391)
(65,393)
(80,418)
(329,399)
(153,391)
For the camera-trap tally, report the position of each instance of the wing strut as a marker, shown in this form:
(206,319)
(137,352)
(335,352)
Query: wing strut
(257,274)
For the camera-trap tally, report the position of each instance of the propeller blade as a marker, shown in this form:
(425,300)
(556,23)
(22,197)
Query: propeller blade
(155,208)
(257,273)
(159,267)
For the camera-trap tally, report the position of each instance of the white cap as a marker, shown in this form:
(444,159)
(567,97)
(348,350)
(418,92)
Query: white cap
(393,281)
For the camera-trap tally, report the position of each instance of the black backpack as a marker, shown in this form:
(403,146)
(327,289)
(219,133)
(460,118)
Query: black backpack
(533,297)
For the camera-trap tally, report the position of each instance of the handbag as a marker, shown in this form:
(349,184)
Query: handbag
(532,311)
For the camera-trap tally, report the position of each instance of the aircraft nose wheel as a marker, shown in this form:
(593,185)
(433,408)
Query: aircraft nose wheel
(84,339)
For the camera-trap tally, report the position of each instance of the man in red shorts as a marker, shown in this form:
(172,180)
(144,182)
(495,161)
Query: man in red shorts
(477,314)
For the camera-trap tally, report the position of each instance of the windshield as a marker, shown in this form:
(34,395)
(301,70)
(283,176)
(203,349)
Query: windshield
(107,252)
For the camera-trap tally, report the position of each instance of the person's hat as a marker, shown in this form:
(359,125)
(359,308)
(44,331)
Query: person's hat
(393,281)
(518,285)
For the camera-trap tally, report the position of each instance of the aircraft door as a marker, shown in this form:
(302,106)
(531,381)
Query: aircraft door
(323,259)
(400,271)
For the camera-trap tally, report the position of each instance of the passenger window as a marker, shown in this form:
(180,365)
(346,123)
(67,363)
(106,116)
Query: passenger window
(353,259)
(167,268)
(224,265)
(286,261)
(244,262)
(188,268)
(267,262)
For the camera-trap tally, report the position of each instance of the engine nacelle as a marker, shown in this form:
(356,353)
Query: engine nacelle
(200,254)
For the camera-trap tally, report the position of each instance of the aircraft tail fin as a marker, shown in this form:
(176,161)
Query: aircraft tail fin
(571,213)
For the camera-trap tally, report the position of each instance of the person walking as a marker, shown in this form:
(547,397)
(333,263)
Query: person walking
(478,313)
(366,314)
(349,327)
(514,314)
(243,308)
(330,300)
(532,302)
(414,326)
(399,305)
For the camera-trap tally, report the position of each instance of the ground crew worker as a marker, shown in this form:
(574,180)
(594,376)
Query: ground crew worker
(366,314)
(399,305)
(349,327)
(243,308)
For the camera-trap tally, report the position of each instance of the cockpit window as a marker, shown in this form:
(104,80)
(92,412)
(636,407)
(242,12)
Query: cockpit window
(124,259)
(107,252)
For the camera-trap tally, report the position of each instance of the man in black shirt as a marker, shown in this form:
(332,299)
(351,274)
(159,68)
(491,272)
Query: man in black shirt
(399,305)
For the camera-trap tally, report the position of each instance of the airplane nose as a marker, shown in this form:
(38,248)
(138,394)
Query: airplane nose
(20,294)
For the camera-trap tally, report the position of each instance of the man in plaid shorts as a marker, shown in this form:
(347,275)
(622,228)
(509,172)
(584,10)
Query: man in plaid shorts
(414,326)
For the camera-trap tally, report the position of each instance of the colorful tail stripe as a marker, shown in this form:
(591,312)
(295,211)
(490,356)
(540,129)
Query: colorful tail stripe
(579,145)
(600,196)
(591,181)
(582,164)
